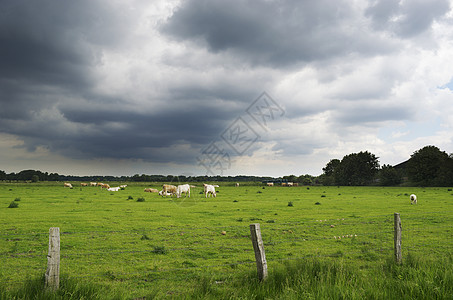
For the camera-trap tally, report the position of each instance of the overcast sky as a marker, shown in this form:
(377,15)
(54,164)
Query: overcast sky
(268,88)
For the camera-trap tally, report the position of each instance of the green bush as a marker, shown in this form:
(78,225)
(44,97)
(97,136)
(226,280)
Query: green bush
(159,250)
(13,204)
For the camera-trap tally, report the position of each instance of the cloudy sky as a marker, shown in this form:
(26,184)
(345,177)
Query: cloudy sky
(269,88)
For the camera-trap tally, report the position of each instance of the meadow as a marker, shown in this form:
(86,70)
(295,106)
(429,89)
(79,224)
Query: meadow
(320,242)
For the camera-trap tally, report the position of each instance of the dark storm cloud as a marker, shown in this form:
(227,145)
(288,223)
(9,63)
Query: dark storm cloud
(47,50)
(77,79)
(47,96)
(406,18)
(276,33)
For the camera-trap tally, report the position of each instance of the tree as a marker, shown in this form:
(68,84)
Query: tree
(290,178)
(429,166)
(306,179)
(388,176)
(327,177)
(356,169)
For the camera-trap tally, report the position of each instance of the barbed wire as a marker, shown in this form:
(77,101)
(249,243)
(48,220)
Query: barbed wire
(268,239)
(307,223)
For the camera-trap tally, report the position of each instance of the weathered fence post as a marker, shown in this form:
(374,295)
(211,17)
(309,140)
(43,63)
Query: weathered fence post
(53,259)
(258,246)
(397,238)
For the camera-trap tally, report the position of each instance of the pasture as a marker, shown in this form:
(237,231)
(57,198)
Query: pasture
(133,244)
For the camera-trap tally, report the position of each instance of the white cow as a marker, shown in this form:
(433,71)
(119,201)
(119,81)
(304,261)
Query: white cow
(184,188)
(162,193)
(67,184)
(114,189)
(413,199)
(209,189)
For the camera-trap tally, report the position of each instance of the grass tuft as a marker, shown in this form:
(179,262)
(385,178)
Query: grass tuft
(13,204)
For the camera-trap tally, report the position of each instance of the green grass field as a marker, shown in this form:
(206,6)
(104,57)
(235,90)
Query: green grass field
(320,242)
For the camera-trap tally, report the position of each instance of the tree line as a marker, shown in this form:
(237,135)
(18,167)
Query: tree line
(37,176)
(428,166)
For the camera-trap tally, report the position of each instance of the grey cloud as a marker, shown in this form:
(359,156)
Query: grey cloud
(276,33)
(406,18)
(47,95)
(371,113)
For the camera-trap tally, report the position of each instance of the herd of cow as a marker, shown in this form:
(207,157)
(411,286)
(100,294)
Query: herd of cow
(102,185)
(167,189)
(173,190)
(178,191)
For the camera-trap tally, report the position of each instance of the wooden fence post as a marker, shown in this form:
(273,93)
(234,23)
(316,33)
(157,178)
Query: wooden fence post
(53,259)
(258,247)
(397,238)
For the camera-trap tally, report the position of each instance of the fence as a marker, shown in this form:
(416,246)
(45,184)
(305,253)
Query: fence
(268,247)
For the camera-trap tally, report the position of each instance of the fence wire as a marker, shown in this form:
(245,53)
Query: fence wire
(272,242)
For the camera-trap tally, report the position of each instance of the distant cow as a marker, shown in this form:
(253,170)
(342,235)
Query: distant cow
(105,186)
(168,189)
(162,193)
(270,184)
(209,189)
(184,188)
(83,184)
(237,184)
(67,184)
(93,183)
(413,199)
(150,190)
(114,189)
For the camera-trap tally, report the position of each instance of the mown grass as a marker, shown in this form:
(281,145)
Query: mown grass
(168,247)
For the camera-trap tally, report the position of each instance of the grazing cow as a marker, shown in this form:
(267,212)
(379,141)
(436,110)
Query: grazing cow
(105,186)
(99,184)
(270,184)
(237,184)
(295,184)
(150,190)
(93,183)
(168,188)
(114,189)
(123,186)
(162,193)
(83,184)
(290,184)
(67,184)
(413,199)
(184,188)
(209,189)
